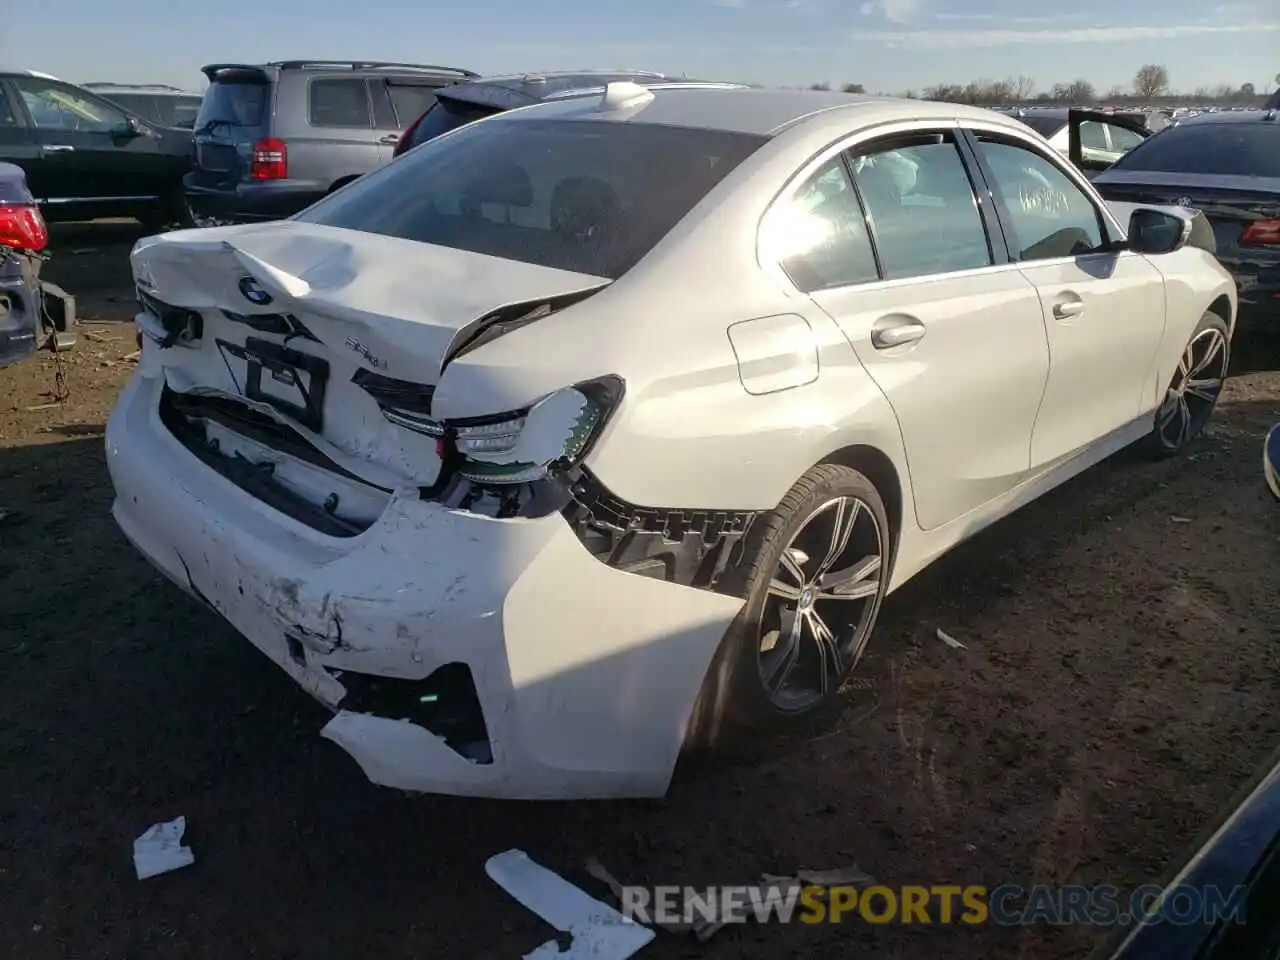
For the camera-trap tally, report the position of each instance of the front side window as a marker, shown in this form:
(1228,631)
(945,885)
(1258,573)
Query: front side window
(1051,216)
(56,107)
(923,211)
(411,100)
(340,103)
(586,196)
(819,234)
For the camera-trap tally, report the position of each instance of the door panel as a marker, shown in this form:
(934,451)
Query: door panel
(965,391)
(18,143)
(1103,307)
(80,138)
(955,343)
(1102,353)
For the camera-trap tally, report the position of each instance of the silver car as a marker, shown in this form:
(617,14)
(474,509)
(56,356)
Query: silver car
(602,428)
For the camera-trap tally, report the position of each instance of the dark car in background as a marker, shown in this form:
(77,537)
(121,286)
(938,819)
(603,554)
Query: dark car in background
(1226,165)
(271,139)
(161,104)
(85,157)
(465,102)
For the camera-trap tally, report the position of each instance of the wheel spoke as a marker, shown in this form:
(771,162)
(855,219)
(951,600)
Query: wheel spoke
(1206,390)
(1184,419)
(1216,343)
(830,663)
(791,564)
(784,590)
(852,583)
(1168,411)
(787,653)
(841,530)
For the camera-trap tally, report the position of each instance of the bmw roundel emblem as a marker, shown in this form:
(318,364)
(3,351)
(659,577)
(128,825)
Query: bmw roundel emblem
(254,293)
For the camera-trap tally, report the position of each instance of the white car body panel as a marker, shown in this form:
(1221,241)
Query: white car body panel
(736,383)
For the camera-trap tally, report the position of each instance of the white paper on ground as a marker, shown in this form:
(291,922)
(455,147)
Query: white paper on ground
(160,849)
(599,931)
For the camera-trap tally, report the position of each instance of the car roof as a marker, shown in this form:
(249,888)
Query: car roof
(157,89)
(509,91)
(1229,116)
(750,110)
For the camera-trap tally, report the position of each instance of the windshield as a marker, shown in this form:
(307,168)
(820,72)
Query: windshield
(234,103)
(445,115)
(1045,126)
(1226,149)
(591,197)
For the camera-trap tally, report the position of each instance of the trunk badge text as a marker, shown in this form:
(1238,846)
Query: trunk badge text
(254,293)
(361,349)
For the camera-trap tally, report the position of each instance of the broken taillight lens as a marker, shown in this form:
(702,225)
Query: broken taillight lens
(22,227)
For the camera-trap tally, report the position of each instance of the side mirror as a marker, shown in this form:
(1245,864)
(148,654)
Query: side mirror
(130,129)
(1151,231)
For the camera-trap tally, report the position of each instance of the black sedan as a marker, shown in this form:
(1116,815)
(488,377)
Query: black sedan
(1228,166)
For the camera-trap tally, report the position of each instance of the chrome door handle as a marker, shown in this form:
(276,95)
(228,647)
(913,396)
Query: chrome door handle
(895,333)
(390,138)
(1069,308)
(59,148)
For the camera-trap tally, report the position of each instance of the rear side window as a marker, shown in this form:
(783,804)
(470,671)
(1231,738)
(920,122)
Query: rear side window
(1226,149)
(819,234)
(1045,126)
(411,101)
(590,197)
(234,102)
(177,111)
(140,103)
(923,211)
(447,114)
(339,103)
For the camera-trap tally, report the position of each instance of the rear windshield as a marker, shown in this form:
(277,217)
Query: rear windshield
(582,195)
(1045,126)
(1228,149)
(445,115)
(233,102)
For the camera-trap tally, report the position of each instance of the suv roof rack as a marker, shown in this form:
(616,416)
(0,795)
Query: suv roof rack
(368,65)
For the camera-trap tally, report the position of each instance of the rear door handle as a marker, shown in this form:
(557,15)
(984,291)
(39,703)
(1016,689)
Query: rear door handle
(59,148)
(895,331)
(390,138)
(1067,309)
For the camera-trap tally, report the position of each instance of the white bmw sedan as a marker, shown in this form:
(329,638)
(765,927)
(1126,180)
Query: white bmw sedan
(602,428)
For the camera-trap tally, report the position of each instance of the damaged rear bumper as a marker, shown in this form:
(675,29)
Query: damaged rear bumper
(585,675)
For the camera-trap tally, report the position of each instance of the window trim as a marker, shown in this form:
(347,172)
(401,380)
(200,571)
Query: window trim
(368,104)
(1110,241)
(849,144)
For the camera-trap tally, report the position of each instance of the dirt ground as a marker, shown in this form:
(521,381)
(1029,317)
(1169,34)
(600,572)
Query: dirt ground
(1117,687)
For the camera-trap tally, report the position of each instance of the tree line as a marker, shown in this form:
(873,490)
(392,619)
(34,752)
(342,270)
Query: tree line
(1150,83)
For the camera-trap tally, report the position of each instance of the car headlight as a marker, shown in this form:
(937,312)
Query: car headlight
(527,445)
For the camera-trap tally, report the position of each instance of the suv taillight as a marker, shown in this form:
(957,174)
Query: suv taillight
(270,160)
(406,137)
(22,227)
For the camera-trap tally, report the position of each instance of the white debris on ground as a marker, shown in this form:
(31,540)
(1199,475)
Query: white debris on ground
(950,641)
(599,931)
(160,849)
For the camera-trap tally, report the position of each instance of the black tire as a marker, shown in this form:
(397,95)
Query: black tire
(1189,399)
(735,698)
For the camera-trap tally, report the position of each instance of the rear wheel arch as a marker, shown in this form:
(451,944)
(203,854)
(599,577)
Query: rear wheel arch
(342,182)
(876,466)
(1222,307)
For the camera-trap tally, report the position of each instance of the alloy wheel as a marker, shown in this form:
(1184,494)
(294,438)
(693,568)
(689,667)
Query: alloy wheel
(1196,384)
(821,604)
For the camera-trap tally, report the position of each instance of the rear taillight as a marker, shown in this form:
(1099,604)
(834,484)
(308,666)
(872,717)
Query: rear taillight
(270,160)
(22,227)
(1261,233)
